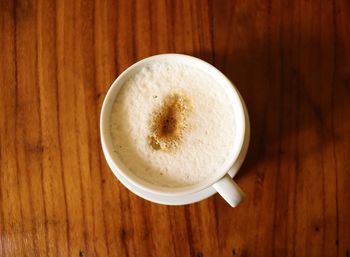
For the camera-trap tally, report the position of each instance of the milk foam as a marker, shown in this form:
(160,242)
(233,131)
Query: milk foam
(206,142)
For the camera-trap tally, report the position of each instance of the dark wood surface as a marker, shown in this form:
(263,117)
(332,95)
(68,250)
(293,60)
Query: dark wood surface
(289,59)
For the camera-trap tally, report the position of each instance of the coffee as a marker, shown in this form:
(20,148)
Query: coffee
(172,125)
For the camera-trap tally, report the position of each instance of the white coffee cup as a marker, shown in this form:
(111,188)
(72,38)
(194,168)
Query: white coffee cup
(221,181)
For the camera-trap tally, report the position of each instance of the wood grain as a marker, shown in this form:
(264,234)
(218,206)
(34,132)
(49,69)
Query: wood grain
(289,59)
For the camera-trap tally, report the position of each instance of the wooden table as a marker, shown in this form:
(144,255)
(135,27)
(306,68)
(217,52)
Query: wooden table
(289,59)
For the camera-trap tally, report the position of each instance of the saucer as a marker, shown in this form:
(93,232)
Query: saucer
(186,199)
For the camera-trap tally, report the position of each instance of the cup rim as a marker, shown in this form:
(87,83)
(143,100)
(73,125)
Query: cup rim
(108,148)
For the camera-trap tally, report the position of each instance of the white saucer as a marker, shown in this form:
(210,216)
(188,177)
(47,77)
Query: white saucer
(187,199)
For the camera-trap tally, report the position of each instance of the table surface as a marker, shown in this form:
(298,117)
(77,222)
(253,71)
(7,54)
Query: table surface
(289,59)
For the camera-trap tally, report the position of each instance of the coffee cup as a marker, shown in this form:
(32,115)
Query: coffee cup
(221,180)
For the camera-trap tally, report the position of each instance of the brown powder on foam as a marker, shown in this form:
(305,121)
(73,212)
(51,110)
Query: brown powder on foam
(169,122)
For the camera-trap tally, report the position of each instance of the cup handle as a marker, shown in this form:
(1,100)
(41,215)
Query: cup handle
(229,190)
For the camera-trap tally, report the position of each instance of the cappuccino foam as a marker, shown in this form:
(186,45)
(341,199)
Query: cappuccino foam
(172,125)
